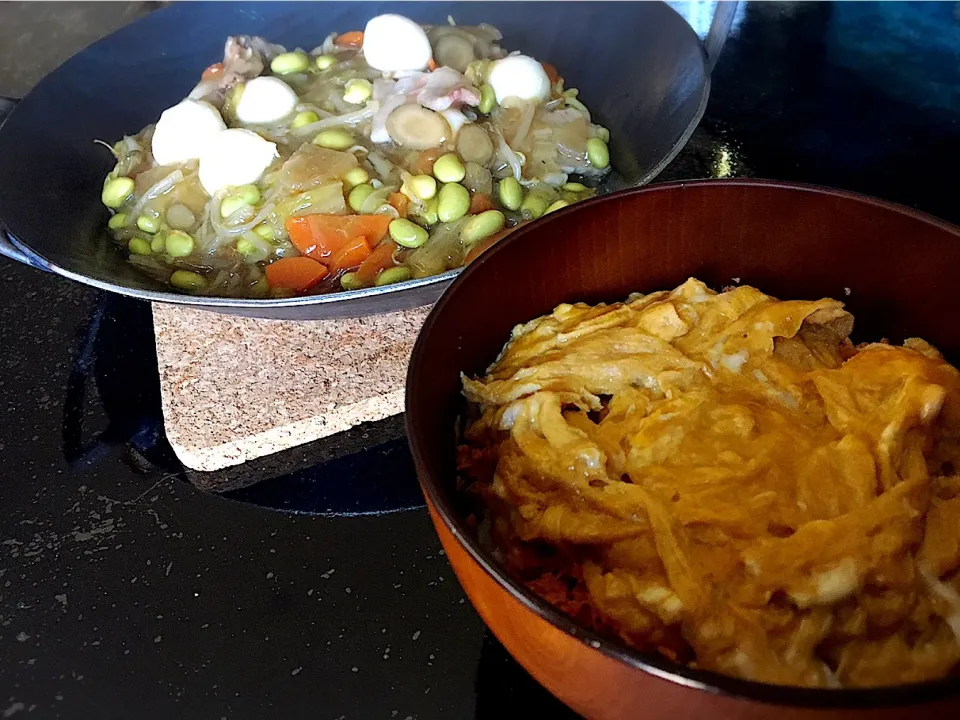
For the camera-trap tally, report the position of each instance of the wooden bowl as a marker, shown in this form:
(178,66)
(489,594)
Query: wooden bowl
(895,268)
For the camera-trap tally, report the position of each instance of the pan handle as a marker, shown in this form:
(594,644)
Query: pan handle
(719,30)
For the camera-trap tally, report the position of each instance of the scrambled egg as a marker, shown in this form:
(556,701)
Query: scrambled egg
(724,478)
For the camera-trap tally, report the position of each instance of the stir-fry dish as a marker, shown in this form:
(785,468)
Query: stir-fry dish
(396,152)
(725,479)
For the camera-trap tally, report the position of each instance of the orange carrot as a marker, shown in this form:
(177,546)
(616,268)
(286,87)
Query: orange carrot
(295,273)
(350,255)
(211,72)
(484,245)
(432,65)
(551,72)
(481,203)
(380,259)
(401,202)
(354,38)
(320,236)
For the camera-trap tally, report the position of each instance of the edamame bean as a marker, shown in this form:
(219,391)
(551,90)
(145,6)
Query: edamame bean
(358,195)
(449,169)
(357,176)
(117,221)
(482,226)
(534,205)
(429,214)
(307,117)
(573,187)
(159,243)
(148,223)
(598,153)
(392,275)
(334,139)
(289,62)
(556,206)
(351,281)
(265,231)
(186,280)
(488,98)
(179,244)
(116,190)
(249,193)
(230,204)
(453,202)
(511,193)
(325,61)
(420,187)
(407,234)
(138,246)
(357,91)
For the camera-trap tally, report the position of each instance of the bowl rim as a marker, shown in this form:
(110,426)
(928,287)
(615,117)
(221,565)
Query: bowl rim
(653,664)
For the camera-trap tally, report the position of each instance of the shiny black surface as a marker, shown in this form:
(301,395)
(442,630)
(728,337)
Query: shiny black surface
(51,173)
(126,593)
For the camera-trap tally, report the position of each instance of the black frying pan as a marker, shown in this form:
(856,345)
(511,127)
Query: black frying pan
(642,70)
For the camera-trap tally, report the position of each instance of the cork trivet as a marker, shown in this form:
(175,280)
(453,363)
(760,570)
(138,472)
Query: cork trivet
(234,389)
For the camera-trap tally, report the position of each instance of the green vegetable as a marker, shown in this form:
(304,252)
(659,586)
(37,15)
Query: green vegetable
(265,231)
(159,243)
(429,215)
(325,61)
(357,91)
(448,169)
(116,190)
(534,205)
(179,244)
(307,117)
(392,275)
(598,153)
(356,176)
(453,202)
(350,281)
(334,139)
(249,193)
(407,234)
(573,187)
(482,226)
(289,62)
(556,206)
(117,221)
(419,187)
(511,193)
(488,98)
(148,223)
(138,246)
(360,193)
(186,280)
(231,204)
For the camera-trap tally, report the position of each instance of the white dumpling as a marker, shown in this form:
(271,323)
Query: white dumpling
(235,157)
(266,100)
(184,131)
(392,43)
(519,76)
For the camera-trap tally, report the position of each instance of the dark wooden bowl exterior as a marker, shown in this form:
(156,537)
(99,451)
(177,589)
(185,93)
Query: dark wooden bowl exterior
(895,268)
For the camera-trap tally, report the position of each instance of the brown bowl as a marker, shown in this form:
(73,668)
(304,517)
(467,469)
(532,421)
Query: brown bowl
(895,268)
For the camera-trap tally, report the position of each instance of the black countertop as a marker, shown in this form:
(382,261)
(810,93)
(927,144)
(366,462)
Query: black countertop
(125,592)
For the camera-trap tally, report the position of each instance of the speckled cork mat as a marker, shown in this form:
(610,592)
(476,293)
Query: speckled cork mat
(235,389)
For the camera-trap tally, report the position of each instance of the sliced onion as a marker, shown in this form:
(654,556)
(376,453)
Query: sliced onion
(163,186)
(350,119)
(509,156)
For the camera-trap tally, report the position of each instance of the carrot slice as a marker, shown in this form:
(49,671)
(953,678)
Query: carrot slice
(484,245)
(551,72)
(295,273)
(423,165)
(401,202)
(380,259)
(350,255)
(320,236)
(354,38)
(480,202)
(211,72)
(432,65)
